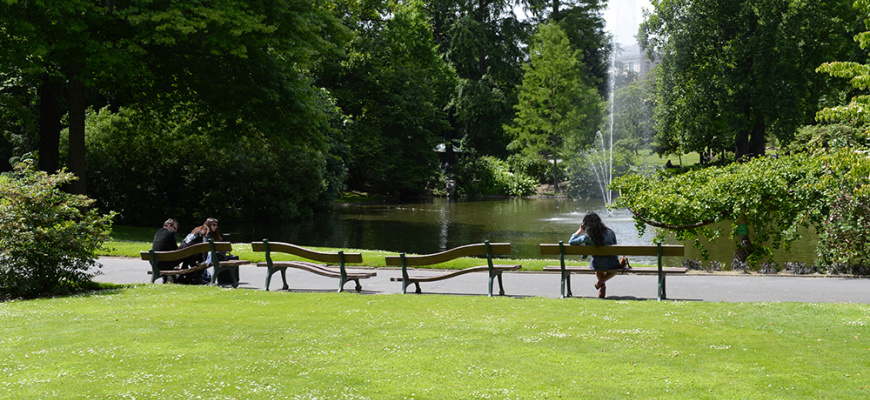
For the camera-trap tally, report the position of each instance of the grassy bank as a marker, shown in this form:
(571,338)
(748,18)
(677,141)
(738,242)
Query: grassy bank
(179,342)
(129,241)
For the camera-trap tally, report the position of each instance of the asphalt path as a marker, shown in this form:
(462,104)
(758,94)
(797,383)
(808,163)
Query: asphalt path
(691,287)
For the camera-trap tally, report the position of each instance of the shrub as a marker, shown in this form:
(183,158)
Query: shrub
(48,238)
(490,176)
(150,167)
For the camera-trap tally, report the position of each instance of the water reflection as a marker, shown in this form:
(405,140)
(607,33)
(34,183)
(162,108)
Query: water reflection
(438,224)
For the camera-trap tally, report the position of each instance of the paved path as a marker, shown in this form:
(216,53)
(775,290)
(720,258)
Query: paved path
(740,288)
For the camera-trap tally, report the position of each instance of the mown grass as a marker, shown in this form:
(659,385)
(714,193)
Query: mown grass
(129,241)
(179,342)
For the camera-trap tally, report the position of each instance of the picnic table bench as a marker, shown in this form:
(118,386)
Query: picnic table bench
(470,250)
(657,250)
(212,247)
(339,258)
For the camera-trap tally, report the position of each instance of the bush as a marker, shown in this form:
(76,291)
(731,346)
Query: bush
(490,176)
(48,238)
(820,139)
(151,167)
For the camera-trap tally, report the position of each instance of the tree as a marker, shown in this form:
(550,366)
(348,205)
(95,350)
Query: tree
(844,241)
(143,52)
(482,41)
(858,110)
(735,73)
(553,101)
(584,24)
(633,113)
(393,87)
(48,238)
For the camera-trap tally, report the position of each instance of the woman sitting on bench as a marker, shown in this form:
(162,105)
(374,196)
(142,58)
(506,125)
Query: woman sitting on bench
(200,234)
(593,232)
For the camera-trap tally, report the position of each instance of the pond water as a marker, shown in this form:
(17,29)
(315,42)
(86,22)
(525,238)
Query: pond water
(437,224)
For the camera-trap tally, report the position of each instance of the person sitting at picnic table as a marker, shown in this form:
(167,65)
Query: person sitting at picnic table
(200,234)
(164,240)
(594,232)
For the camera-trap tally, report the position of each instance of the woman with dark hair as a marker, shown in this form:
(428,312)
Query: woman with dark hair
(200,234)
(593,232)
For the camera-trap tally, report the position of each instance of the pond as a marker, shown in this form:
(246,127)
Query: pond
(437,224)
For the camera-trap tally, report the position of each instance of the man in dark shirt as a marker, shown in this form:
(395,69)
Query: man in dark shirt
(164,240)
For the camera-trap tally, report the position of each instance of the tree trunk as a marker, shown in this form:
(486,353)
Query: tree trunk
(750,143)
(744,246)
(758,140)
(77,105)
(50,114)
(555,175)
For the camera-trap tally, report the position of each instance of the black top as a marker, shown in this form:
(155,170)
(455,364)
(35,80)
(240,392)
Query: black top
(164,240)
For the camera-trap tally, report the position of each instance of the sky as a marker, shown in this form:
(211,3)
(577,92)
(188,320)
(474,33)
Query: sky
(623,17)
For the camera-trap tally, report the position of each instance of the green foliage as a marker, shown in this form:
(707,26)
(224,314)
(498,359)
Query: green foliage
(554,103)
(580,170)
(583,22)
(773,196)
(844,243)
(482,42)
(487,175)
(48,238)
(821,139)
(150,167)
(246,62)
(535,167)
(735,73)
(633,114)
(858,110)
(393,87)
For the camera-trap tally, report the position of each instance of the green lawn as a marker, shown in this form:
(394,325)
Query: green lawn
(180,342)
(129,241)
(654,159)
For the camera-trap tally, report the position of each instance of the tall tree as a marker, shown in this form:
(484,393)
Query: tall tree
(245,61)
(633,113)
(393,87)
(482,40)
(583,22)
(737,72)
(858,109)
(553,100)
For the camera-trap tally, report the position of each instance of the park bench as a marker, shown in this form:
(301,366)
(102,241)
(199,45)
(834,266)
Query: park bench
(339,258)
(658,251)
(154,257)
(470,250)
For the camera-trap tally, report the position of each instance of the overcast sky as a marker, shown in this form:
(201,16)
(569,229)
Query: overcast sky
(623,17)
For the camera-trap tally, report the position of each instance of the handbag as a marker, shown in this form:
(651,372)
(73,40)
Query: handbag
(623,263)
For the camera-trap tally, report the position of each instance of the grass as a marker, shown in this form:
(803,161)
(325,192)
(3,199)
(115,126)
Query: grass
(129,241)
(179,342)
(687,159)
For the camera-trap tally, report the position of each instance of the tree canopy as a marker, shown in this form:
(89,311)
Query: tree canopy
(736,73)
(554,102)
(246,62)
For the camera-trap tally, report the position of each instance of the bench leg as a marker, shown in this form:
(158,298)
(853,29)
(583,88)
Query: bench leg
(500,286)
(272,271)
(418,291)
(566,285)
(662,294)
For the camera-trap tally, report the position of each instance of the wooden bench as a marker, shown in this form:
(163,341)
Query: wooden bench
(154,257)
(339,258)
(658,251)
(486,248)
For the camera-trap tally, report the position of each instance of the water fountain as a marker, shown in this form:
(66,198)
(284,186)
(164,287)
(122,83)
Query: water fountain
(602,156)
